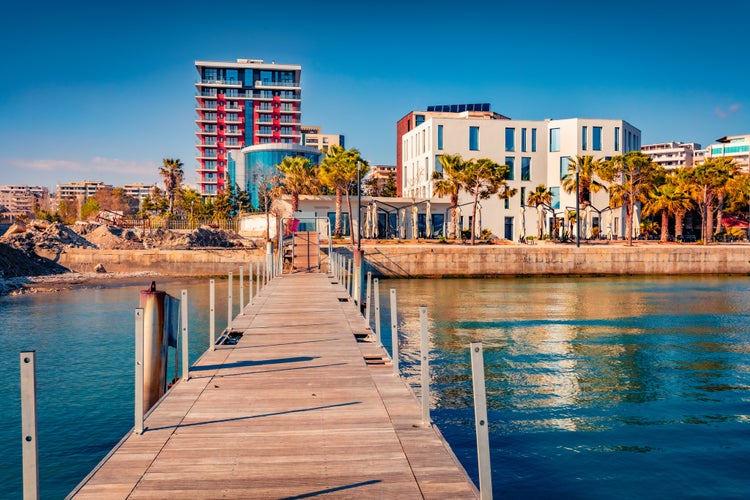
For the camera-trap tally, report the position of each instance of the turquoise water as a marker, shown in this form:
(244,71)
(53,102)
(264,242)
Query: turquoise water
(597,388)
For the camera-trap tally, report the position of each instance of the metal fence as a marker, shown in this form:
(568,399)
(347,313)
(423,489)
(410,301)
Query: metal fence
(185,224)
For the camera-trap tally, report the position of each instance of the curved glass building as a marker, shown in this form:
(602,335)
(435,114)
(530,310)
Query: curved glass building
(253,167)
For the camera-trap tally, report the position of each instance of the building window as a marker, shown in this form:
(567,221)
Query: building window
(564,162)
(526,168)
(418,120)
(617,138)
(510,143)
(523,196)
(438,164)
(584,134)
(554,139)
(510,161)
(597,139)
(555,192)
(440,137)
(533,140)
(507,203)
(474,138)
(523,140)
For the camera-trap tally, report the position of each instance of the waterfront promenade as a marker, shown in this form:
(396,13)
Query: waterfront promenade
(293,410)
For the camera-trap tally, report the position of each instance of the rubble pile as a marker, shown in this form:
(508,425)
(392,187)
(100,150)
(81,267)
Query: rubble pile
(115,238)
(48,237)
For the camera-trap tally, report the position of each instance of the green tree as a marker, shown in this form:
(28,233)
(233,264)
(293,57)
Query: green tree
(482,179)
(540,196)
(338,171)
(631,176)
(172,174)
(389,186)
(705,182)
(738,188)
(448,183)
(298,176)
(668,199)
(90,208)
(588,169)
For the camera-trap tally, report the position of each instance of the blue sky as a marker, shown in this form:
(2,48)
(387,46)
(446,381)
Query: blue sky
(106,91)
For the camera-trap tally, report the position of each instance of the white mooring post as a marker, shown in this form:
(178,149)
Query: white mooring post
(480,420)
(368,297)
(229,301)
(212,314)
(242,291)
(376,292)
(350,279)
(250,284)
(30,450)
(424,352)
(394,332)
(139,333)
(184,322)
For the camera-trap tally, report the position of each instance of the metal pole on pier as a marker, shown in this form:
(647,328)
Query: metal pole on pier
(368,296)
(242,292)
(258,279)
(425,365)
(376,285)
(394,332)
(28,426)
(229,302)
(212,314)
(139,369)
(480,419)
(250,284)
(184,323)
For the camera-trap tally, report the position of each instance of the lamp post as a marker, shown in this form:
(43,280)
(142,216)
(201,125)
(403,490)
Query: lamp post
(359,210)
(578,209)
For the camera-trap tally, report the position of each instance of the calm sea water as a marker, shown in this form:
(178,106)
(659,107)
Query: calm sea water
(601,387)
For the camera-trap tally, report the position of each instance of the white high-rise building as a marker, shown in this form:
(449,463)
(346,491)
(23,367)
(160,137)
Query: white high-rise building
(537,152)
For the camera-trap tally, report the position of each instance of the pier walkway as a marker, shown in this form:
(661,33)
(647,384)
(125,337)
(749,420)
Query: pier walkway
(293,410)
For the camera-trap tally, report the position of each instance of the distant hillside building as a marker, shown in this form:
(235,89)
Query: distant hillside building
(23,200)
(415,118)
(79,189)
(313,137)
(138,191)
(241,104)
(671,155)
(736,147)
(380,174)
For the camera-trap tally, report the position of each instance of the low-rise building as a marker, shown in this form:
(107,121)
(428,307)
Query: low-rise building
(23,200)
(672,155)
(313,137)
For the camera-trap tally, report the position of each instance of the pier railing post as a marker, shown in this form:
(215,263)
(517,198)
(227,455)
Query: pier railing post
(258,279)
(349,282)
(480,419)
(184,323)
(250,284)
(242,291)
(212,315)
(30,450)
(229,301)
(368,296)
(394,332)
(425,365)
(139,334)
(376,292)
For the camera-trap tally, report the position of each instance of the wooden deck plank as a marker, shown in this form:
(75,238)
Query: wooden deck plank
(291,410)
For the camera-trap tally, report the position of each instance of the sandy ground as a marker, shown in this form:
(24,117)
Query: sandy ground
(69,281)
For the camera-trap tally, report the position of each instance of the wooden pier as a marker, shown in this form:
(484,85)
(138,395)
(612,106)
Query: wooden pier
(300,407)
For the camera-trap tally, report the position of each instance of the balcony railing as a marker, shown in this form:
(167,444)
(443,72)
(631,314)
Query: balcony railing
(260,83)
(230,83)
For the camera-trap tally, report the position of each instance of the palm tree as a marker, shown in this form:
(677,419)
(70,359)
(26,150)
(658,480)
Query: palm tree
(172,174)
(481,179)
(298,176)
(449,183)
(668,198)
(540,196)
(338,171)
(631,175)
(738,188)
(706,181)
(587,168)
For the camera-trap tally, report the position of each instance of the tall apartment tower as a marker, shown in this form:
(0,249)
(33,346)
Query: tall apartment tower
(242,104)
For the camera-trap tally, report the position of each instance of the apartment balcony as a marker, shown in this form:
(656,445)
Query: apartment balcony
(208,93)
(219,83)
(205,132)
(259,84)
(206,170)
(206,119)
(292,111)
(234,121)
(206,156)
(233,133)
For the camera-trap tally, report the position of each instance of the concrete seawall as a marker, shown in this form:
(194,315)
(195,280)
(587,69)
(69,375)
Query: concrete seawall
(202,262)
(414,260)
(519,260)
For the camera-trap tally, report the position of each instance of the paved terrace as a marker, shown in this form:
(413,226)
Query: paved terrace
(292,410)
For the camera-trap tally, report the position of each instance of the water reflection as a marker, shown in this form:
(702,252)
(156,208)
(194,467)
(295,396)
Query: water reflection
(608,360)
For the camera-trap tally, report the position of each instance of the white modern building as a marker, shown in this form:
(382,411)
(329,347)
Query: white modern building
(736,147)
(537,152)
(672,155)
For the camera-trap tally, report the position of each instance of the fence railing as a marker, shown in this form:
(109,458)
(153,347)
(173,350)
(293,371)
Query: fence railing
(184,224)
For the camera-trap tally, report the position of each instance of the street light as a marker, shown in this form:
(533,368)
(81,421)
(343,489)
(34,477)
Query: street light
(578,209)
(359,210)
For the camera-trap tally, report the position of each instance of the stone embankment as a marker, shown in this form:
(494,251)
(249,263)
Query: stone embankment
(556,259)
